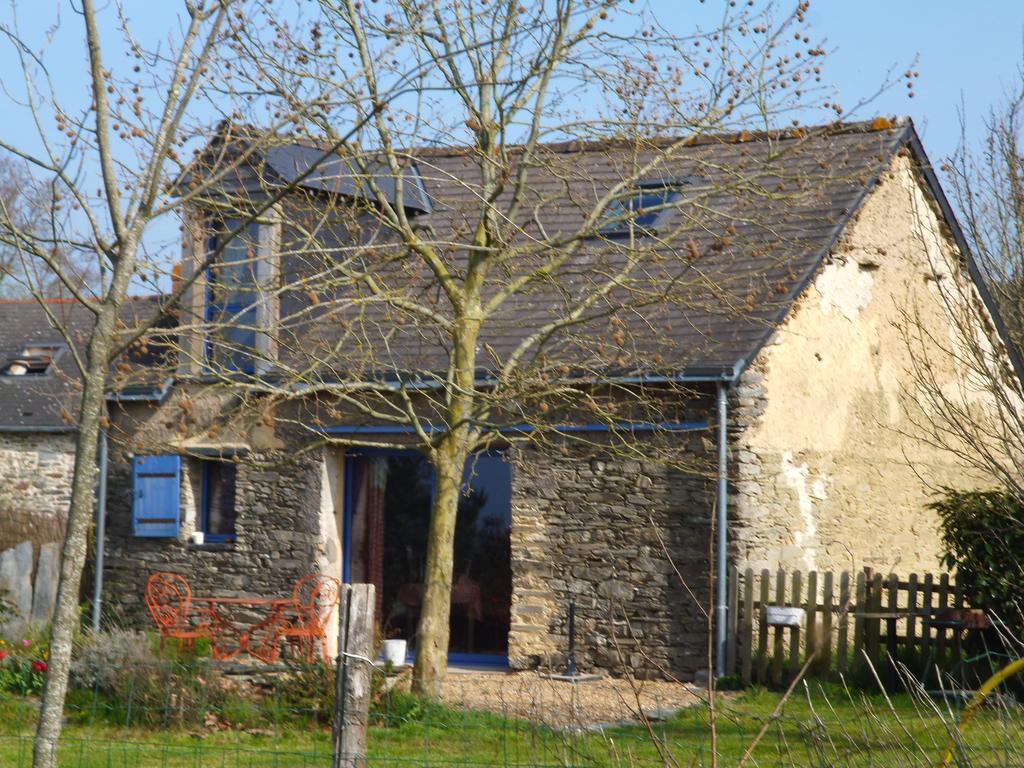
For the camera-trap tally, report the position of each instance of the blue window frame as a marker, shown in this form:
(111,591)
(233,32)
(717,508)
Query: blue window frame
(217,501)
(639,211)
(232,294)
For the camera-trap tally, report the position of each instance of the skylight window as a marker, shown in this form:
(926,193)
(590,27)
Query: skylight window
(641,209)
(33,361)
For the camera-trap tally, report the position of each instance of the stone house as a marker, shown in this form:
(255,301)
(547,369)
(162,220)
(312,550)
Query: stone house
(803,383)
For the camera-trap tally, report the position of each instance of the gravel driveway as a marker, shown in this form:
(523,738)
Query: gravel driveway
(530,696)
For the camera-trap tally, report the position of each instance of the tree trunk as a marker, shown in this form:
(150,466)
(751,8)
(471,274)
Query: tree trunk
(432,633)
(449,457)
(83,488)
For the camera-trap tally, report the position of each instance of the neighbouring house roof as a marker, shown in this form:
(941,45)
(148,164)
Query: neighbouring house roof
(46,403)
(783,197)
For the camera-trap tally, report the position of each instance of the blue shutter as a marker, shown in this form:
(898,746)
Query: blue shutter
(156,497)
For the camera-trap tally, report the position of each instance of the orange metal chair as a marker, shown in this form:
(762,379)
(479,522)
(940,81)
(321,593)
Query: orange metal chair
(169,599)
(314,598)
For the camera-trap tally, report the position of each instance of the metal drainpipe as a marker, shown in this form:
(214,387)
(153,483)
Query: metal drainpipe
(722,530)
(101,526)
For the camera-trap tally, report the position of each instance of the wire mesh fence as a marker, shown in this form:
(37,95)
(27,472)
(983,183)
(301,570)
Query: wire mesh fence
(200,713)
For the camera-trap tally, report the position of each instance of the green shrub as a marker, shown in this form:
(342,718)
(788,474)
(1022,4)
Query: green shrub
(103,659)
(132,682)
(307,690)
(983,538)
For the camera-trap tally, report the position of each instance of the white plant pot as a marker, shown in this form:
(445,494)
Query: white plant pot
(198,538)
(394,652)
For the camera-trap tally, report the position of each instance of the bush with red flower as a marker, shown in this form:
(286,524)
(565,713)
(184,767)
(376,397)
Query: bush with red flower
(23,665)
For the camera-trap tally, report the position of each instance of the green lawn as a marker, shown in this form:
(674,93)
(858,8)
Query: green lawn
(825,726)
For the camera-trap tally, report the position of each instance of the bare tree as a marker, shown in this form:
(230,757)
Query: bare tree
(980,420)
(464,269)
(28,204)
(988,187)
(108,166)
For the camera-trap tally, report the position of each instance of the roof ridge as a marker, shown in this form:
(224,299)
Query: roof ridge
(877,124)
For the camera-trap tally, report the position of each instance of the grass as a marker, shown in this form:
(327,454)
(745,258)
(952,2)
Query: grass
(821,725)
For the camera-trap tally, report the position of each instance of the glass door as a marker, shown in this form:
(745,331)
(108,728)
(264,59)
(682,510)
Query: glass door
(388,502)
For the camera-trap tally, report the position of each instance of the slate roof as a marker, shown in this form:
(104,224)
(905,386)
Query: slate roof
(42,403)
(778,201)
(769,209)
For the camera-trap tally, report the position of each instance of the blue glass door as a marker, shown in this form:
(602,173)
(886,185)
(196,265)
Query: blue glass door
(388,503)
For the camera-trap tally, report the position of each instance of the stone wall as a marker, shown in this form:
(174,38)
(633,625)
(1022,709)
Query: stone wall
(831,470)
(278,533)
(35,486)
(595,529)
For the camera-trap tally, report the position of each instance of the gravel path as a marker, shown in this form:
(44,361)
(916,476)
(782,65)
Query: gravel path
(560,703)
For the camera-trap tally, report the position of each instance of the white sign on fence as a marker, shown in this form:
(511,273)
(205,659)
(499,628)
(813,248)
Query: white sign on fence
(779,616)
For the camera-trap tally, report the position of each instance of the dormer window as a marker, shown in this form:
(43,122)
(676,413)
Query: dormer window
(34,360)
(232,303)
(640,209)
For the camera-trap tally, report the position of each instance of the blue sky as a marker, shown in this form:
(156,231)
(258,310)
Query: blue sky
(966,49)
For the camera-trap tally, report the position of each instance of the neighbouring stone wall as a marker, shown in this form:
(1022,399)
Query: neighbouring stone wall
(278,533)
(35,486)
(829,467)
(609,533)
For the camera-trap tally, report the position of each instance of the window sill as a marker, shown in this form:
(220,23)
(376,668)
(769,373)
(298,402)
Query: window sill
(212,546)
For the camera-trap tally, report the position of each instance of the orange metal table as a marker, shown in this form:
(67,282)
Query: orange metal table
(258,639)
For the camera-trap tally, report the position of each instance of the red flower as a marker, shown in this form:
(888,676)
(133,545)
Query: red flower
(39,666)
(3,655)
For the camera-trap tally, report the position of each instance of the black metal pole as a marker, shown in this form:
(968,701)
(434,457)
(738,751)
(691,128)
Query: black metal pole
(570,661)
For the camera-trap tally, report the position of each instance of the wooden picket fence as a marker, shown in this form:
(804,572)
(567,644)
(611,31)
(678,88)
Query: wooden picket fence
(852,625)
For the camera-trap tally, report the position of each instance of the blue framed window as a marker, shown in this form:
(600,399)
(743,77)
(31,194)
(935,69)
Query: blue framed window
(232,296)
(217,505)
(639,211)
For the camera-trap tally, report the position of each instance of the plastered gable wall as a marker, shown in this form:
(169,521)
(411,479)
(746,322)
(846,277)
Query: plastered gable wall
(831,473)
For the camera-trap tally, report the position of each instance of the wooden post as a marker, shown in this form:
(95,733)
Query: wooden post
(354,675)
(940,630)
(826,625)
(780,600)
(732,624)
(955,665)
(912,617)
(857,608)
(892,607)
(926,629)
(842,639)
(762,630)
(873,627)
(794,632)
(748,625)
(811,630)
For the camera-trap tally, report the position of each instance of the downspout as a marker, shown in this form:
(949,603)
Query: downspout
(101,532)
(722,531)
